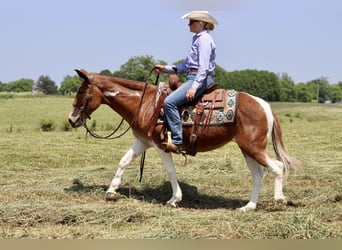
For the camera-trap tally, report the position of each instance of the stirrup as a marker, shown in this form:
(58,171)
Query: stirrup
(177,149)
(168,146)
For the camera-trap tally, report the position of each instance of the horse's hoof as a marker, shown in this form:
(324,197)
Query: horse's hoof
(245,209)
(249,207)
(111,196)
(290,203)
(286,201)
(171,204)
(242,209)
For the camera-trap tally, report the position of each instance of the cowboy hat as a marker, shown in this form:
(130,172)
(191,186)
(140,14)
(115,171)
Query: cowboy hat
(200,16)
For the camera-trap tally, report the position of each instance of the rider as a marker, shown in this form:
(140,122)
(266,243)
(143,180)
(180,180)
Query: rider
(200,68)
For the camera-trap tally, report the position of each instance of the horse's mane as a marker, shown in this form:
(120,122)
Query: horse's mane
(131,84)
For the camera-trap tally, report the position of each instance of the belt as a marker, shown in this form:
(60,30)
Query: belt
(192,70)
(196,70)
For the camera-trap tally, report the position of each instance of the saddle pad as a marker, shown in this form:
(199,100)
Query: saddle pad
(213,116)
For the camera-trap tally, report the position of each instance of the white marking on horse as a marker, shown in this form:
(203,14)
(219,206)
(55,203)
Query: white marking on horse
(268,113)
(135,94)
(111,93)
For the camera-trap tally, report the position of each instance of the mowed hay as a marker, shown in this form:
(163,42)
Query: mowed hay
(53,183)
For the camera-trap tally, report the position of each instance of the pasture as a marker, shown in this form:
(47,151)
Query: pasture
(52,184)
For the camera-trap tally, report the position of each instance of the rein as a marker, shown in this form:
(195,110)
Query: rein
(97,136)
(109,136)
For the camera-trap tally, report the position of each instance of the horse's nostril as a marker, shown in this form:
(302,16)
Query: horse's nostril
(72,122)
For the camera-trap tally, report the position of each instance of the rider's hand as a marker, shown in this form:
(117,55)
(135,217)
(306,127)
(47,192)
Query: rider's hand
(190,95)
(159,68)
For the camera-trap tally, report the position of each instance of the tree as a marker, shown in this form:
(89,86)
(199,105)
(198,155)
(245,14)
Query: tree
(335,92)
(138,68)
(46,85)
(106,72)
(69,85)
(287,88)
(22,85)
(319,89)
(270,88)
(262,83)
(302,93)
(221,78)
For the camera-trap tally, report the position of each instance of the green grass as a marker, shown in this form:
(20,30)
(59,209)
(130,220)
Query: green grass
(52,184)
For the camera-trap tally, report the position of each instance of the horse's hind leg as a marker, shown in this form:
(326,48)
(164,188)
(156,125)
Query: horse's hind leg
(257,173)
(277,169)
(137,148)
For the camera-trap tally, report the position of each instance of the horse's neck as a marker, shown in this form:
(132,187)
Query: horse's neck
(129,85)
(132,100)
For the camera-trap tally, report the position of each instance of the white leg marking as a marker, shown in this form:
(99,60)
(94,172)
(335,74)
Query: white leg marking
(137,148)
(171,171)
(257,173)
(276,167)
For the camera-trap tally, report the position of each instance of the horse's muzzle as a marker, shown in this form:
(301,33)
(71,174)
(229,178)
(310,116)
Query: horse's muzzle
(75,123)
(75,118)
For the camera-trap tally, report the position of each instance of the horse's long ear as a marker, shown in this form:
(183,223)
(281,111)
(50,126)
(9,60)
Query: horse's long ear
(82,73)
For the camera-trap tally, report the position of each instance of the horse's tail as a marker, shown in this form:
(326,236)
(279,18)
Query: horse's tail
(279,147)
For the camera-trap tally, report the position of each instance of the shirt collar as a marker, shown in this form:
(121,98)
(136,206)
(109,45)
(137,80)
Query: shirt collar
(201,33)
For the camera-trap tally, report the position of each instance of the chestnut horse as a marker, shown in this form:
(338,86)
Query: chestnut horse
(134,101)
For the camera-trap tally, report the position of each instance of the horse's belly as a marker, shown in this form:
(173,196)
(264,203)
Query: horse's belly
(209,138)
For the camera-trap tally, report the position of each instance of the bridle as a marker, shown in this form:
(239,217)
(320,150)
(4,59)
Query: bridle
(84,115)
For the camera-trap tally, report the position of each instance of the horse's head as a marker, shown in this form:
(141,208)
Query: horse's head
(87,100)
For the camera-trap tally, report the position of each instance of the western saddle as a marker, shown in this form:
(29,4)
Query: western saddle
(212,99)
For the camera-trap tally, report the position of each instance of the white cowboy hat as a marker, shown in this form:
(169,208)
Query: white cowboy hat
(200,16)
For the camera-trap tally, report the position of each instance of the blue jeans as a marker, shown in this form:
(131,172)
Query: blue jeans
(177,99)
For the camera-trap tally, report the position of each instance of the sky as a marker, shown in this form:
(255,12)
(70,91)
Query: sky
(302,38)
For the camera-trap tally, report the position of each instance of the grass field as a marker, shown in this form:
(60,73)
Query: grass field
(52,184)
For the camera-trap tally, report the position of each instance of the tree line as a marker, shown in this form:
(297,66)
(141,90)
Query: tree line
(261,83)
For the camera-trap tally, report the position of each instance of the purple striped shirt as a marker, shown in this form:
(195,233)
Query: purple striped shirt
(201,56)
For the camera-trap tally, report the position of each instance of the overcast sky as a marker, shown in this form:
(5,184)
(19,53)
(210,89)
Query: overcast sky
(53,37)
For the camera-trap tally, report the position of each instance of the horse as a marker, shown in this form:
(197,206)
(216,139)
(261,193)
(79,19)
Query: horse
(255,124)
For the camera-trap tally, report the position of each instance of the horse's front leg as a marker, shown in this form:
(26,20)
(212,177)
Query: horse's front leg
(171,171)
(137,148)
